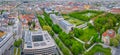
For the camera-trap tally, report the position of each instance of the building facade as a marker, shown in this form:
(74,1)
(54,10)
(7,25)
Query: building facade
(65,25)
(39,43)
(6,41)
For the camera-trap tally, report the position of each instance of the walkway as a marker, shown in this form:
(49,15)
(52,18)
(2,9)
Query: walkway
(91,47)
(16,51)
(90,40)
(98,16)
(113,50)
(92,20)
(79,40)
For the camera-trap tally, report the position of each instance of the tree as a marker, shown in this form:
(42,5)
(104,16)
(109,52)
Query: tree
(48,28)
(51,33)
(41,21)
(96,39)
(56,28)
(68,42)
(118,37)
(71,34)
(29,23)
(78,32)
(114,42)
(33,23)
(76,48)
(90,25)
(18,43)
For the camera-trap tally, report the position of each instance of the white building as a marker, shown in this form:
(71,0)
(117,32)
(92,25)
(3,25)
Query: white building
(39,43)
(56,18)
(65,25)
(48,10)
(6,41)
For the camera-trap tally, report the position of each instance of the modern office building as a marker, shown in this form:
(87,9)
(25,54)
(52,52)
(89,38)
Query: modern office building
(39,43)
(6,41)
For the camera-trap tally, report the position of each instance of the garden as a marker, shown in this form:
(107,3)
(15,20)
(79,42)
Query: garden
(91,32)
(108,21)
(72,44)
(73,20)
(85,15)
(99,50)
(87,34)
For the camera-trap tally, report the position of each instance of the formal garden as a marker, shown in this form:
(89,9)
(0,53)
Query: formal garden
(73,20)
(85,15)
(87,34)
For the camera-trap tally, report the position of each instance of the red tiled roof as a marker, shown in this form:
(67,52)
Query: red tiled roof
(110,33)
(27,17)
(117,10)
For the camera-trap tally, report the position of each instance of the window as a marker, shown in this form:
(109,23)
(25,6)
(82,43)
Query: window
(37,38)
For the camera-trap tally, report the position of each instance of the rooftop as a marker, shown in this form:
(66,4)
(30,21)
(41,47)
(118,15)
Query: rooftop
(66,22)
(1,34)
(111,33)
(38,40)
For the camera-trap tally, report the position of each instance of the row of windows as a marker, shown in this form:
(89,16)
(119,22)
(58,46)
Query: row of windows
(50,50)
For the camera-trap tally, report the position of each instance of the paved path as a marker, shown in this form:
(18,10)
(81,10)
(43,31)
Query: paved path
(79,40)
(16,51)
(90,40)
(82,25)
(91,47)
(113,49)
(92,20)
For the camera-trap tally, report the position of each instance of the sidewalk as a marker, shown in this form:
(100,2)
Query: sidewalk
(79,40)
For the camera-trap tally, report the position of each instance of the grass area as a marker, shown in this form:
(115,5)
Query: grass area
(87,34)
(99,48)
(73,20)
(66,17)
(85,15)
(18,51)
(88,14)
(15,49)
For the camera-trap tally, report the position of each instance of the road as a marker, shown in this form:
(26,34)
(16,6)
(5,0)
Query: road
(117,52)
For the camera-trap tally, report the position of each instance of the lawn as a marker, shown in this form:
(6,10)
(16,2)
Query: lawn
(85,15)
(99,48)
(88,15)
(73,20)
(87,34)
(15,51)
(18,53)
